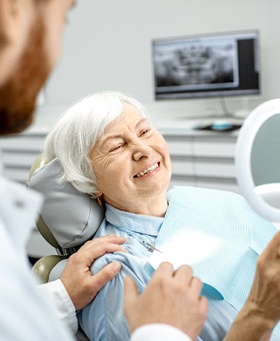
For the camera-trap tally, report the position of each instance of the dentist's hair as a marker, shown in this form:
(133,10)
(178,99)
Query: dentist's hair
(77,131)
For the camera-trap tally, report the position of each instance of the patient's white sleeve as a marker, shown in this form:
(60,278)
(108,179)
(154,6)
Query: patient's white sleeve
(157,331)
(62,303)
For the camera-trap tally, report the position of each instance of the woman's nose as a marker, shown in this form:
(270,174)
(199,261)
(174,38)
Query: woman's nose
(140,150)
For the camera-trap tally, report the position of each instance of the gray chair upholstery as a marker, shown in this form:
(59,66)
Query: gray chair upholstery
(68,218)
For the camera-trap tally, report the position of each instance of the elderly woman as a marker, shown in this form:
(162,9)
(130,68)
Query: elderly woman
(108,148)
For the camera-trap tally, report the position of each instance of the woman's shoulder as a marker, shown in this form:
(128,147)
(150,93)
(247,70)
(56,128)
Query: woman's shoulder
(131,265)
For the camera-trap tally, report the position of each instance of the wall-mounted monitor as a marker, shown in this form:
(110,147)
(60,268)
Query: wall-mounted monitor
(208,65)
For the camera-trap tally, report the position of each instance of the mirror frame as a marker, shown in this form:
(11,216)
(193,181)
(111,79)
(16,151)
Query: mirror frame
(244,145)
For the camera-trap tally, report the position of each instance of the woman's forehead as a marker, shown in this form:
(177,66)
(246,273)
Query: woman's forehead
(116,129)
(130,116)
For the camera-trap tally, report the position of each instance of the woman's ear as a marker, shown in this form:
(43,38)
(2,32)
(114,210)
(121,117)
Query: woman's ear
(98,194)
(99,198)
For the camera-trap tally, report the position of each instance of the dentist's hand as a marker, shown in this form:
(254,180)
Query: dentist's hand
(171,298)
(261,311)
(78,280)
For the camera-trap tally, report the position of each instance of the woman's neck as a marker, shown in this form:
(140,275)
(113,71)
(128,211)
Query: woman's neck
(155,207)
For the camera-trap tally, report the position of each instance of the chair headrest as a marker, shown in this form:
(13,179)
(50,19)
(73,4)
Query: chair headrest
(71,216)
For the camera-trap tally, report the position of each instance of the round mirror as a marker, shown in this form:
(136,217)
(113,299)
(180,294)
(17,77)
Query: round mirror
(257,159)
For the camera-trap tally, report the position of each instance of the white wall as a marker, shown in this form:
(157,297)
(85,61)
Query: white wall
(107,46)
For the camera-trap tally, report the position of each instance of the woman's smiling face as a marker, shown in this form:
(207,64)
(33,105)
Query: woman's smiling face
(132,163)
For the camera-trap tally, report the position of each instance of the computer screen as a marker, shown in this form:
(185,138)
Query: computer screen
(207,65)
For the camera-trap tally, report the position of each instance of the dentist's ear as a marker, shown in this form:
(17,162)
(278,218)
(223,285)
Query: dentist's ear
(16,19)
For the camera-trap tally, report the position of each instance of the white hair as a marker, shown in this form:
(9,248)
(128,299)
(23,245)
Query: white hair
(77,131)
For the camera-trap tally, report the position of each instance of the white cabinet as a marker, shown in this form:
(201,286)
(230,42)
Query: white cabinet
(204,159)
(18,152)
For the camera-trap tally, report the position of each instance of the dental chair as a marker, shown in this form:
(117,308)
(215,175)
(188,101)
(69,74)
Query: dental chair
(44,265)
(67,219)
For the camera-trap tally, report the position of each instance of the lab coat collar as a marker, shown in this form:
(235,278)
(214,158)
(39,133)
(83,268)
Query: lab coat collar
(18,210)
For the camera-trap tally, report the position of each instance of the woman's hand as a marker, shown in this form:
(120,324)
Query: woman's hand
(171,298)
(78,280)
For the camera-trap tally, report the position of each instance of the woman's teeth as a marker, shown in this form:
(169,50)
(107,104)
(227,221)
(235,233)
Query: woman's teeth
(148,170)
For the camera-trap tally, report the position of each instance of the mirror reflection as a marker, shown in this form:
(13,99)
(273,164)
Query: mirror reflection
(265,161)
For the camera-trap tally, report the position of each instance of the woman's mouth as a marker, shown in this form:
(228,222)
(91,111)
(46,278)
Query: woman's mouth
(147,170)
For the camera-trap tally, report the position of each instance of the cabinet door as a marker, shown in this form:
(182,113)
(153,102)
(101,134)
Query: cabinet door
(179,145)
(220,146)
(220,184)
(205,160)
(215,168)
(182,166)
(18,154)
(214,162)
(181,153)
(177,180)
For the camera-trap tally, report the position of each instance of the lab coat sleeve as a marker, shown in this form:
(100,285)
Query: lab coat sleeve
(163,332)
(62,303)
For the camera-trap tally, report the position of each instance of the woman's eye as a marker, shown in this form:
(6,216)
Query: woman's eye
(144,132)
(115,148)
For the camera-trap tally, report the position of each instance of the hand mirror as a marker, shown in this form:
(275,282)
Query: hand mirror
(257,159)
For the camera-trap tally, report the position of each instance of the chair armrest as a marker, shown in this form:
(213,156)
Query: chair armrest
(44,266)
